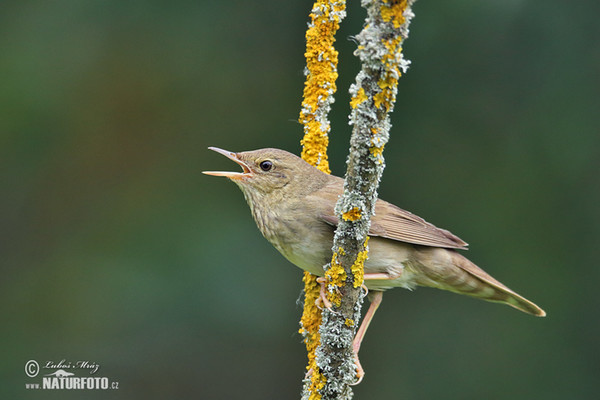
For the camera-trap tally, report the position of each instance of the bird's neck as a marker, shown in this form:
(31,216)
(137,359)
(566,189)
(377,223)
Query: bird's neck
(264,209)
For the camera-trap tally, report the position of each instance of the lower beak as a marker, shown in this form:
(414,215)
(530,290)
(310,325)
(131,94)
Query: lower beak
(234,157)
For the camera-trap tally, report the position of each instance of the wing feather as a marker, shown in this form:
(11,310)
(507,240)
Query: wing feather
(388,222)
(392,222)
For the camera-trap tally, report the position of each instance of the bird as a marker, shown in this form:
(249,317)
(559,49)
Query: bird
(293,202)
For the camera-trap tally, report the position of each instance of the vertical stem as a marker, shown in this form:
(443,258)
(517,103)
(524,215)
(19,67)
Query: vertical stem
(321,74)
(373,97)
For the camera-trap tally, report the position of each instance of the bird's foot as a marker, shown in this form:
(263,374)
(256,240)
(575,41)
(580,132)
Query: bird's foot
(376,297)
(322,300)
(360,372)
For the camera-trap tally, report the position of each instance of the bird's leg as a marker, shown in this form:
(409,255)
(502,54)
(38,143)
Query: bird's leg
(322,299)
(375,297)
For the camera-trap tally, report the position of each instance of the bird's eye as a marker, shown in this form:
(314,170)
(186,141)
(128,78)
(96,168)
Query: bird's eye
(266,165)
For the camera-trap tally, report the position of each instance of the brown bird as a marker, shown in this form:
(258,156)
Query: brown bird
(293,204)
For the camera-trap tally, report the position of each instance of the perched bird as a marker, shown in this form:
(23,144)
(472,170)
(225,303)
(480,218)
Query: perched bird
(293,204)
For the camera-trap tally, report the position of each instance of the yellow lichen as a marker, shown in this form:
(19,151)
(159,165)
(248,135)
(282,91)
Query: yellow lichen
(377,152)
(393,46)
(321,64)
(315,147)
(379,99)
(358,268)
(311,320)
(394,12)
(359,98)
(336,276)
(349,322)
(352,215)
(388,82)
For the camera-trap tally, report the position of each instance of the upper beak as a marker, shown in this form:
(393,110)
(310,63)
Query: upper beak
(232,156)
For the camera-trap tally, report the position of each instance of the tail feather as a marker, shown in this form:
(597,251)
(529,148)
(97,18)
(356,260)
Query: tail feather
(458,274)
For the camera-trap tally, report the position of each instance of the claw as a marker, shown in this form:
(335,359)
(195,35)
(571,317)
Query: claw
(308,373)
(366,289)
(360,372)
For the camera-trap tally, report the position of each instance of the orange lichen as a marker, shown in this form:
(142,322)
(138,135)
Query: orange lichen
(352,215)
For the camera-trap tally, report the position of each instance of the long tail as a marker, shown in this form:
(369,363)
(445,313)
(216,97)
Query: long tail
(457,274)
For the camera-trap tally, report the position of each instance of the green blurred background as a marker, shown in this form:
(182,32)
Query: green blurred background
(116,249)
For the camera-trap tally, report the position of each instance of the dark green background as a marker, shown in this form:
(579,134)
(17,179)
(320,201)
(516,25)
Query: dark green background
(115,248)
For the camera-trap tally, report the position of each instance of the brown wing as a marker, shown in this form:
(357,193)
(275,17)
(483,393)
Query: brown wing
(389,221)
(395,223)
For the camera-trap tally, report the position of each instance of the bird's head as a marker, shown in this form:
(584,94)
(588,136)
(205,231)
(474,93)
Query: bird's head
(270,172)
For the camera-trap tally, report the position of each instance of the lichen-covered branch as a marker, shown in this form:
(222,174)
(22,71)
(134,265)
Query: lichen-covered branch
(328,335)
(321,74)
(373,97)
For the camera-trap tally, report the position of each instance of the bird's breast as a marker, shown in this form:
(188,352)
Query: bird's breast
(304,242)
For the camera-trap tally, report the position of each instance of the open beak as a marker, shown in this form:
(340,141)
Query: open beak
(232,175)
